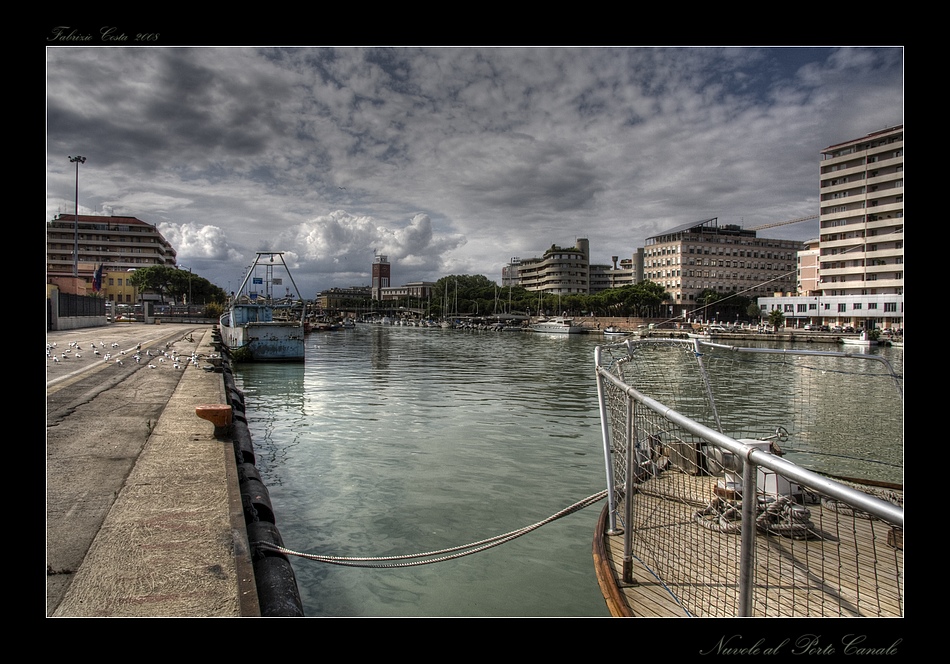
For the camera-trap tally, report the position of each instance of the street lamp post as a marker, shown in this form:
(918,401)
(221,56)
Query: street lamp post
(76,160)
(183,267)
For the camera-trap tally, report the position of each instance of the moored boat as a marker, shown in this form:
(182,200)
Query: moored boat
(613,331)
(861,340)
(259,328)
(557,325)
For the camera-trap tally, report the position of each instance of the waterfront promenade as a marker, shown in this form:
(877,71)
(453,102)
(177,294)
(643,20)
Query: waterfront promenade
(143,509)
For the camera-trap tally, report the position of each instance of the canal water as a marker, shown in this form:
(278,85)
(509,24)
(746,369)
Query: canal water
(390,441)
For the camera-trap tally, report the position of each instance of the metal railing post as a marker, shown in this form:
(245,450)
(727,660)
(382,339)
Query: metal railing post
(747,534)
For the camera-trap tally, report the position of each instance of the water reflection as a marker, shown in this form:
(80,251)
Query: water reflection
(393,440)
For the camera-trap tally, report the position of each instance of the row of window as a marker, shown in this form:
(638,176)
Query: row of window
(840,307)
(709,274)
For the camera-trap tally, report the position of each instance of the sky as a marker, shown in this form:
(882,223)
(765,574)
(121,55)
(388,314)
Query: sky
(449,160)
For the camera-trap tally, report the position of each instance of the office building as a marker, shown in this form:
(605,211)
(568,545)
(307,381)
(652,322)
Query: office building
(726,259)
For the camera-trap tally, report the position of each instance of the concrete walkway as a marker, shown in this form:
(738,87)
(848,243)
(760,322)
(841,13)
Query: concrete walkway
(173,542)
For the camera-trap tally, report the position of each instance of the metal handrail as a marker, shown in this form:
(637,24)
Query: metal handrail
(753,457)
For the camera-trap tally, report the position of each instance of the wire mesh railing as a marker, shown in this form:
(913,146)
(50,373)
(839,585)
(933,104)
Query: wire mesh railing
(755,481)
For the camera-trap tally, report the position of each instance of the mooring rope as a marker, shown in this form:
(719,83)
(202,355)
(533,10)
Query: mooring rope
(780,516)
(440,555)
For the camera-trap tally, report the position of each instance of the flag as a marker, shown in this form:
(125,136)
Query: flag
(97,280)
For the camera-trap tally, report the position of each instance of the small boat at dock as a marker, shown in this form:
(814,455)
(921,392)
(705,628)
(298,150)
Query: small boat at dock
(557,325)
(862,341)
(259,327)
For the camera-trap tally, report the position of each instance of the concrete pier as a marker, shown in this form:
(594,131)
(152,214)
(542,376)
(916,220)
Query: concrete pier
(144,512)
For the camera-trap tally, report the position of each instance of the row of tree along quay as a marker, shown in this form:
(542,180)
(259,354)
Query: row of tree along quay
(454,295)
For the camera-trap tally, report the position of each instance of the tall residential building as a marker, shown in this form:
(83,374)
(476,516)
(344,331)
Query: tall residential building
(862,215)
(115,243)
(727,259)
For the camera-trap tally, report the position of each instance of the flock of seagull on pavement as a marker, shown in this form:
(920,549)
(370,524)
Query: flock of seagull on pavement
(154,359)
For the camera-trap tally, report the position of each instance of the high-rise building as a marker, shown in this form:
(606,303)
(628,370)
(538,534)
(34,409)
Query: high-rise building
(862,215)
(859,280)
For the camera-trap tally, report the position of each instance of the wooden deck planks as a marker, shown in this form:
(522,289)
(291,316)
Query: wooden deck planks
(850,570)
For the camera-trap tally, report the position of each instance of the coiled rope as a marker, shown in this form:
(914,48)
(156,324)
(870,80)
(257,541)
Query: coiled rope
(780,516)
(441,555)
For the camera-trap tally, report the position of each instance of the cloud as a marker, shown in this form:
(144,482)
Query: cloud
(449,160)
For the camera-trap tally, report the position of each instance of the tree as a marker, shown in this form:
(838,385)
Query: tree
(177,284)
(776,318)
(706,297)
(159,279)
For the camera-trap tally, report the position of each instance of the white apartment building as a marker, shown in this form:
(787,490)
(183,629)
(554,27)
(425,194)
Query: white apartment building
(859,279)
(862,215)
(561,270)
(566,270)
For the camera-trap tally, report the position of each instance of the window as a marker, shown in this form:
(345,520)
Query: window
(842,308)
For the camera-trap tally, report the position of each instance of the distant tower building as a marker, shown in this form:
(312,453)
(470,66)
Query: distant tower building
(381,275)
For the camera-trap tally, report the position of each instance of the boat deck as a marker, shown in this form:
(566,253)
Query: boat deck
(849,565)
